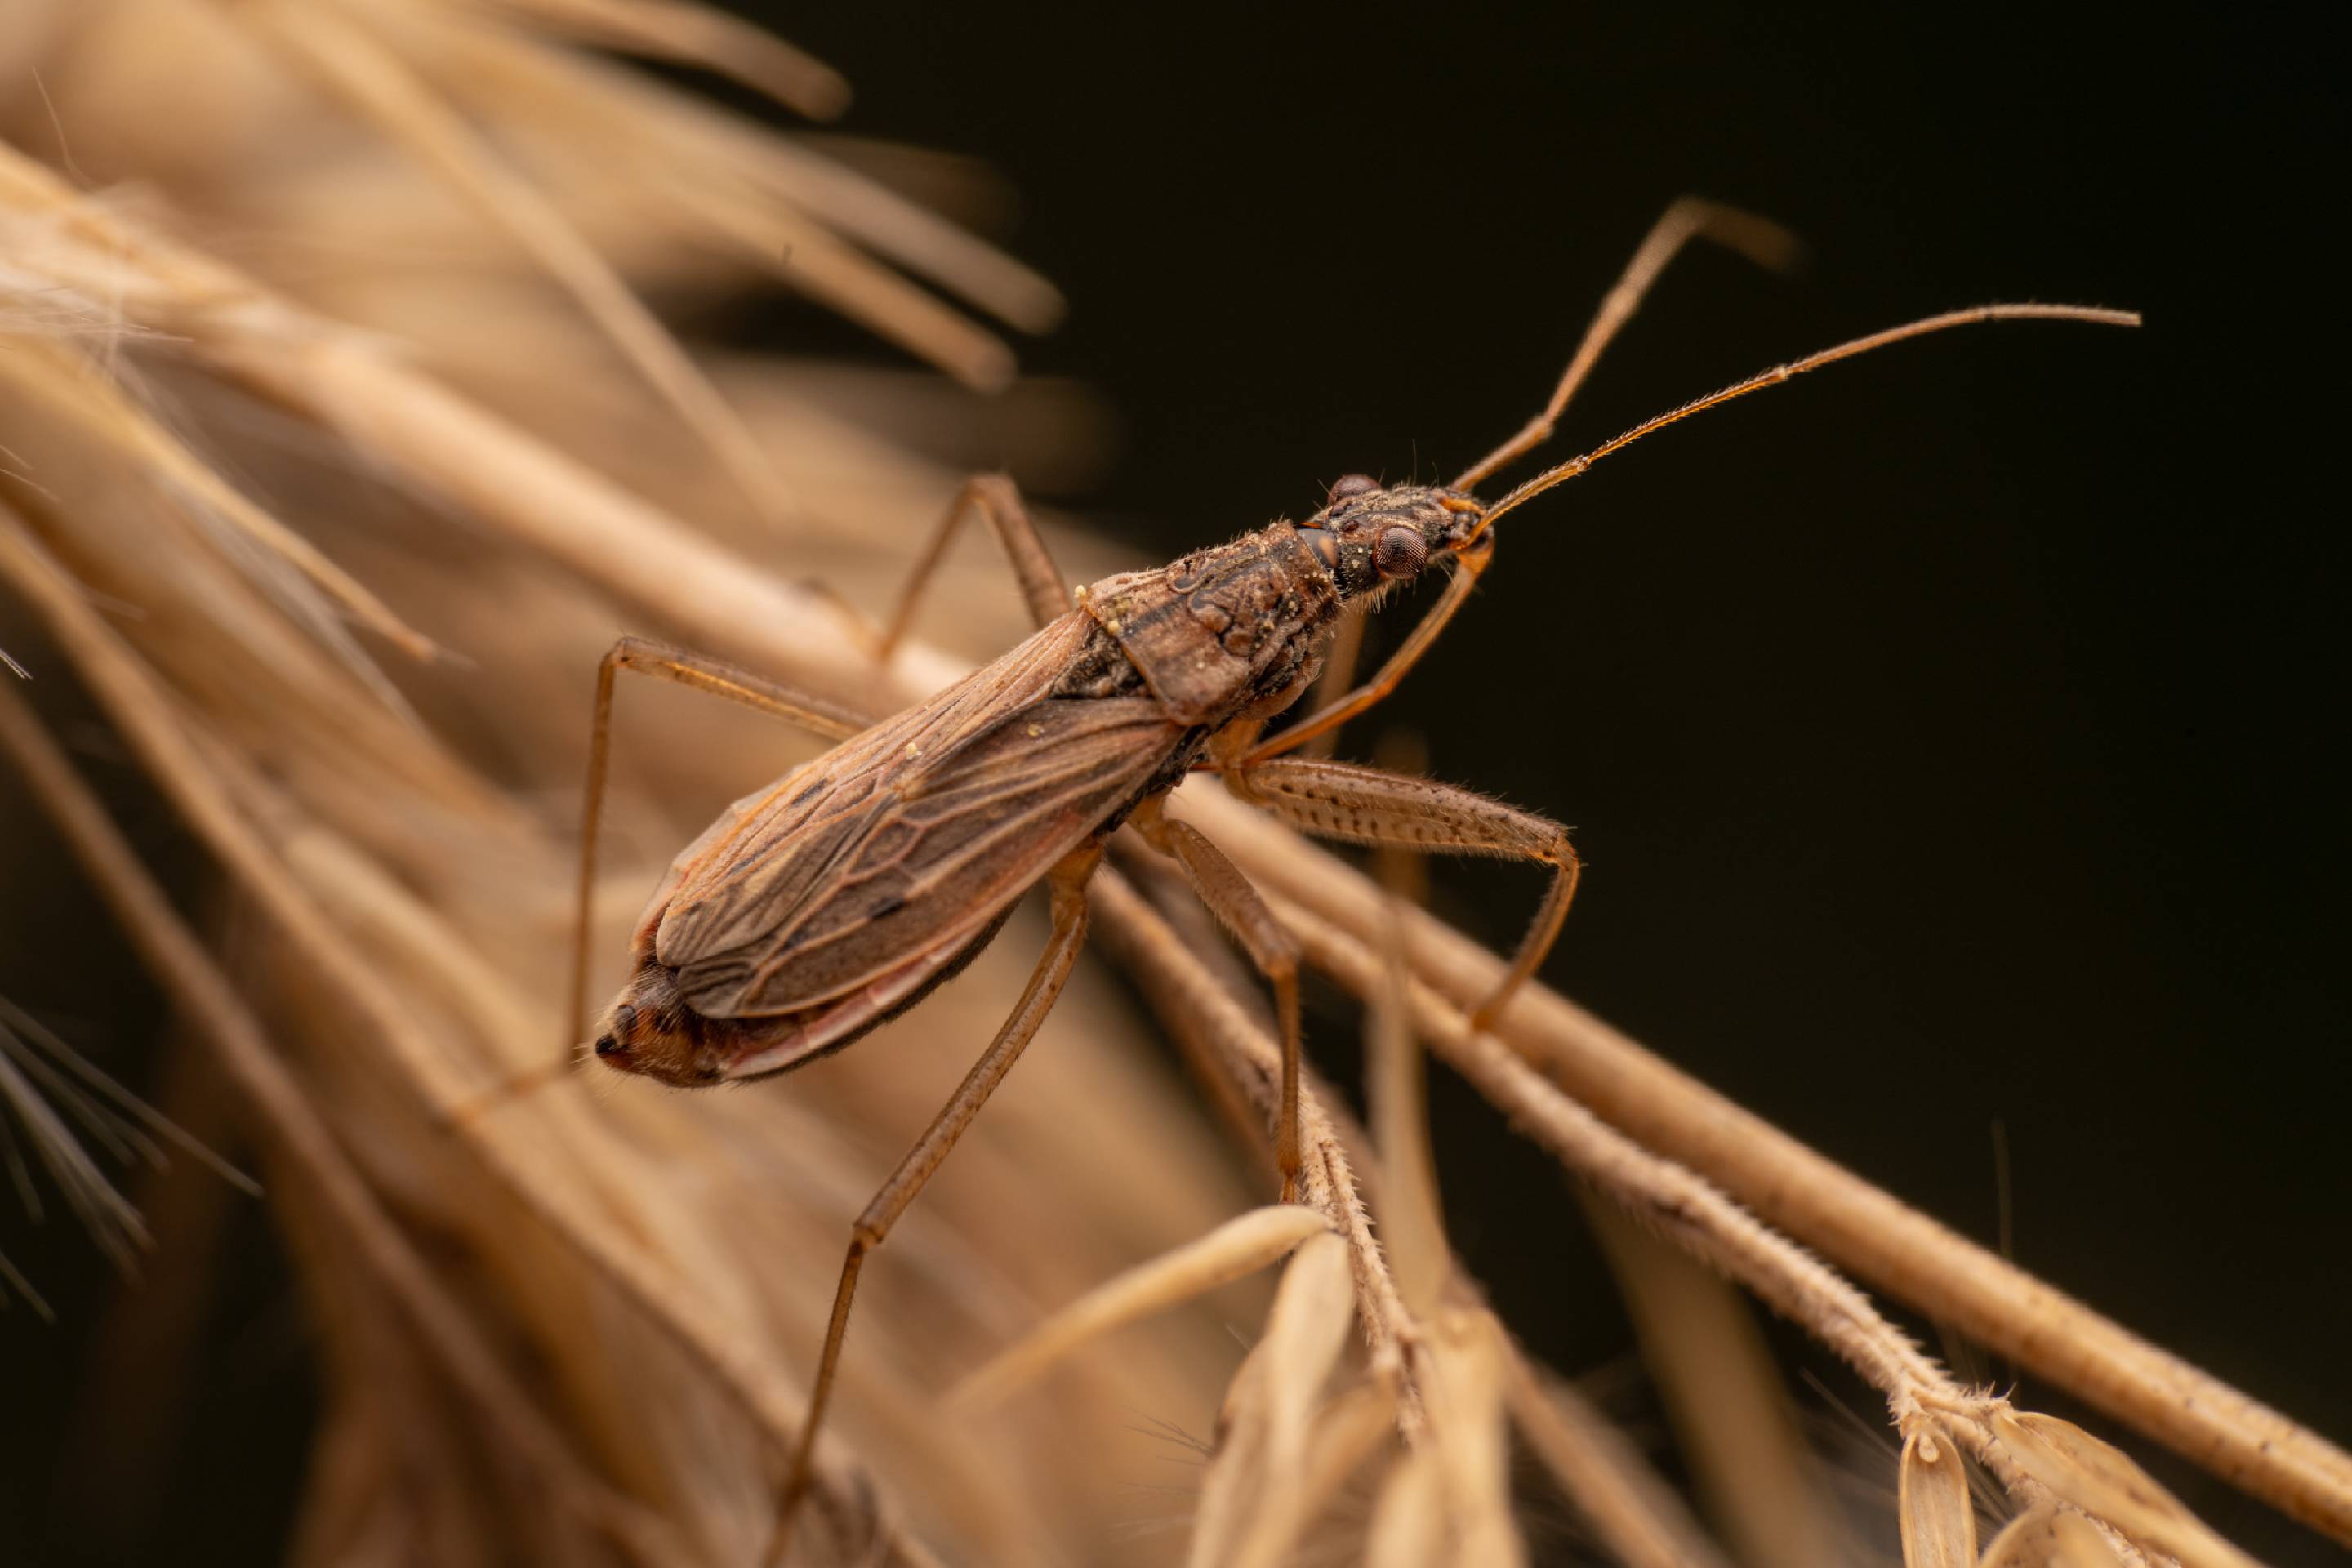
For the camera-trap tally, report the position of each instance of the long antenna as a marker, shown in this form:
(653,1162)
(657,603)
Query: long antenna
(1778,373)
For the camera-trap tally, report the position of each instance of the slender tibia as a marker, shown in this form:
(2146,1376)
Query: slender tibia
(1066,883)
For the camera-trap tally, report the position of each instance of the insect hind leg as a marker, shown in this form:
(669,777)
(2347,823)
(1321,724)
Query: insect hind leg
(1067,883)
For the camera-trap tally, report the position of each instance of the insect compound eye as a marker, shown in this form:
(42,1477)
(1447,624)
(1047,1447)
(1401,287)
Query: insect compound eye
(1352,485)
(1400,553)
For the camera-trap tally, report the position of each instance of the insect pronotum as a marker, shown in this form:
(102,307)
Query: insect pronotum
(841,895)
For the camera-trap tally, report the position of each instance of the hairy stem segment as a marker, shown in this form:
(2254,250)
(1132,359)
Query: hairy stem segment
(1794,1189)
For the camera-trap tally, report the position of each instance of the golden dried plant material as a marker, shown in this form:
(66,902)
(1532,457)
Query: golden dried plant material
(1358,1421)
(1789,1185)
(365,69)
(2102,1480)
(1937,1515)
(419,880)
(1631,1510)
(1235,1249)
(1262,1436)
(1734,1422)
(644,1261)
(695,35)
(1203,1011)
(301,1147)
(1470,1436)
(1408,1527)
(1411,1215)
(57,374)
(2049,1535)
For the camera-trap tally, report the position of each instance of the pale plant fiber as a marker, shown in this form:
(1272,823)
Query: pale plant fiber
(262,484)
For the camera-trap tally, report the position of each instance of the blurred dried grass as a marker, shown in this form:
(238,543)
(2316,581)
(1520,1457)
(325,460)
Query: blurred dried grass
(343,446)
(253,248)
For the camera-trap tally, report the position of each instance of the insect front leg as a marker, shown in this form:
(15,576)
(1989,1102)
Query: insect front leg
(1272,948)
(1365,805)
(1066,883)
(997,499)
(1763,241)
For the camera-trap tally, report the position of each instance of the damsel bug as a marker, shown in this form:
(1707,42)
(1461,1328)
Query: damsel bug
(843,894)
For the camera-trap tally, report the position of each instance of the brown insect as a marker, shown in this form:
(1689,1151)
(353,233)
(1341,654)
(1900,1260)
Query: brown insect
(841,895)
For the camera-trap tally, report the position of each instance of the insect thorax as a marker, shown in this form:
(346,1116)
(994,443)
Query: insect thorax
(1231,631)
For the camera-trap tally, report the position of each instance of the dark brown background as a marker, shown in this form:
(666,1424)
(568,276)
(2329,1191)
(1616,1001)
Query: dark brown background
(1951,735)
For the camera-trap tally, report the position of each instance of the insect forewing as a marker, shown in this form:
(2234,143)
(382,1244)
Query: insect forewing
(906,840)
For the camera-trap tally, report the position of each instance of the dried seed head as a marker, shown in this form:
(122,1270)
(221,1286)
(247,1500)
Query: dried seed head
(2103,1481)
(2050,1536)
(1939,1521)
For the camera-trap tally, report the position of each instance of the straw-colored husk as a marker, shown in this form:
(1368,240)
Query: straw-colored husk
(340,442)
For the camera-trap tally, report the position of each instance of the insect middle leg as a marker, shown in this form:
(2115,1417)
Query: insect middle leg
(1272,948)
(1365,805)
(1066,883)
(997,499)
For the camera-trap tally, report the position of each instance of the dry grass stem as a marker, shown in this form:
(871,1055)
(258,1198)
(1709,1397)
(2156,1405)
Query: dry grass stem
(1631,1509)
(75,387)
(207,800)
(2102,1481)
(1190,994)
(1663,1195)
(1411,1217)
(301,1148)
(365,70)
(1408,1527)
(688,34)
(1235,1249)
(589,121)
(1820,1203)
(409,884)
(2036,1457)
(1468,1352)
(1734,1423)
(1358,1422)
